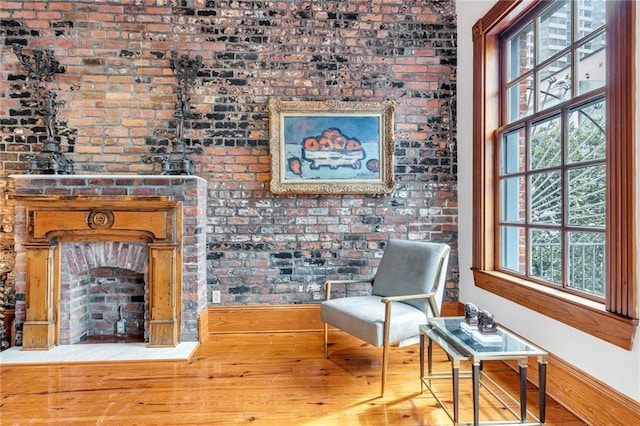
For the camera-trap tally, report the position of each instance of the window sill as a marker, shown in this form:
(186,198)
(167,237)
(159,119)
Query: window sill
(584,315)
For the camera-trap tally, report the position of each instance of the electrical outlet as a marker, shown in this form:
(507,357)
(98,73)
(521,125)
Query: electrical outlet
(300,288)
(215,296)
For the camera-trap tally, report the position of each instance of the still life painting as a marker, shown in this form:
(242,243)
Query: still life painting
(331,147)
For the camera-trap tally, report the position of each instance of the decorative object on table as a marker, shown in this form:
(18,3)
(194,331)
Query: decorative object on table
(178,162)
(487,339)
(331,147)
(480,325)
(471,314)
(486,323)
(40,68)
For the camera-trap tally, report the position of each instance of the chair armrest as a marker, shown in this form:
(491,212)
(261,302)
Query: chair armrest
(407,297)
(428,296)
(327,284)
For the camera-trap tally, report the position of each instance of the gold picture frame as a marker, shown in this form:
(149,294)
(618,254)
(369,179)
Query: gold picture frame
(331,147)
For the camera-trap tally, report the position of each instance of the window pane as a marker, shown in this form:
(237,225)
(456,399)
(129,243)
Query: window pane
(554,84)
(586,262)
(546,255)
(546,144)
(592,68)
(555,29)
(513,150)
(520,99)
(513,248)
(587,193)
(545,198)
(520,53)
(513,196)
(591,16)
(587,133)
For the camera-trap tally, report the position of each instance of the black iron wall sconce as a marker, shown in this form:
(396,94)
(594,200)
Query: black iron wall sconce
(186,71)
(40,68)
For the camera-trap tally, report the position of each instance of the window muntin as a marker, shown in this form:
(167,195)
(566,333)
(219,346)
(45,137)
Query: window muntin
(552,172)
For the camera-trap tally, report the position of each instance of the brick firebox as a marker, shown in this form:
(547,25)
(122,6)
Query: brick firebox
(56,214)
(103,286)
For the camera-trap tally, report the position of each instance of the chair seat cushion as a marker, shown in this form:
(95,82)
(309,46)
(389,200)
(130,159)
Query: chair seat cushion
(363,317)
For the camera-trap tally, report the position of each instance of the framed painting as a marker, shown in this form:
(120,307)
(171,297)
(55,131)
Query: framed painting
(331,147)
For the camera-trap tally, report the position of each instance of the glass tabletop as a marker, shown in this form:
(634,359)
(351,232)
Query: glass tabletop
(501,344)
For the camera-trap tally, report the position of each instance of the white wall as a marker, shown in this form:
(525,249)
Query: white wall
(608,363)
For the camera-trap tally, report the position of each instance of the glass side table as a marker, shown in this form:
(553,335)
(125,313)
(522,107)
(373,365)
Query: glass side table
(463,343)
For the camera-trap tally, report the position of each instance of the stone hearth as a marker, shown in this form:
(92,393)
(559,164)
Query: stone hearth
(63,221)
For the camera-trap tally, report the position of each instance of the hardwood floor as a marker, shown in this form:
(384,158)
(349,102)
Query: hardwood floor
(266,379)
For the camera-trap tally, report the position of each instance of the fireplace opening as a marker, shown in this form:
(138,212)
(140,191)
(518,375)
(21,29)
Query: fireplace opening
(103,293)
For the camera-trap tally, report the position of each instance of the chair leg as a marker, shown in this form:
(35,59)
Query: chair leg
(326,338)
(385,361)
(385,346)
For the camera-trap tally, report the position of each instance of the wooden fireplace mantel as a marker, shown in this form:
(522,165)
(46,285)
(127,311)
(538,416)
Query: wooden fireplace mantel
(53,219)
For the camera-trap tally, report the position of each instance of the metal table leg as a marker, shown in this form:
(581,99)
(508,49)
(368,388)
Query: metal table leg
(476,392)
(455,376)
(542,387)
(522,363)
(430,356)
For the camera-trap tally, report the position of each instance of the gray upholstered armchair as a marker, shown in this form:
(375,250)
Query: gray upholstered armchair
(408,286)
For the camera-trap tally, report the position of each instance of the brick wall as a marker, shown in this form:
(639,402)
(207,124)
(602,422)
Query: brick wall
(117,96)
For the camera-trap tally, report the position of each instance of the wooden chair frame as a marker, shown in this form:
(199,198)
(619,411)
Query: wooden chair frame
(387,318)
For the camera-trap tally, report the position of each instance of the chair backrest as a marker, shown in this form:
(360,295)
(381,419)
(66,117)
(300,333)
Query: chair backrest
(413,267)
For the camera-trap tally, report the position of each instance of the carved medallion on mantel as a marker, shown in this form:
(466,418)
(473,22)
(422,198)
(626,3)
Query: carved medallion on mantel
(52,219)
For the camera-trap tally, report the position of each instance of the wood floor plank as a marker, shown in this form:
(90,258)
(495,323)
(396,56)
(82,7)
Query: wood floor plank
(266,379)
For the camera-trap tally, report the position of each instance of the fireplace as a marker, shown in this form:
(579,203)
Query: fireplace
(101,255)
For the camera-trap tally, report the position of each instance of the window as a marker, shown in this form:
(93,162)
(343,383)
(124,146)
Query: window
(551,172)
(553,161)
